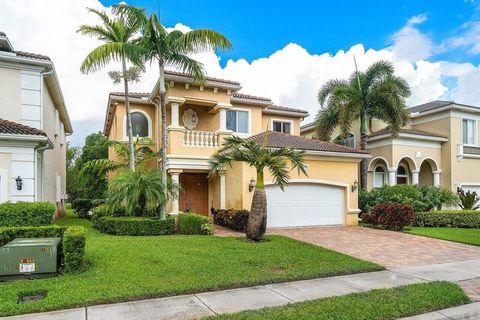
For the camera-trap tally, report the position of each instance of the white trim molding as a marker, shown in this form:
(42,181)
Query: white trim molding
(283,121)
(149,120)
(188,162)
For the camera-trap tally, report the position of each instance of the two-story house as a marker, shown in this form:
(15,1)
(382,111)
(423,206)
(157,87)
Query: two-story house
(199,117)
(439,146)
(33,126)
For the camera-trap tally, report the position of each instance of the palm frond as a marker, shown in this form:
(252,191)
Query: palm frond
(201,40)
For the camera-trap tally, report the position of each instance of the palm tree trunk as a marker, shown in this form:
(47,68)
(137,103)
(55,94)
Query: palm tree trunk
(257,219)
(363,146)
(129,118)
(163,153)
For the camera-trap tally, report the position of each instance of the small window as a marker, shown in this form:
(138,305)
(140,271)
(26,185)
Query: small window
(402,174)
(469,132)
(379,177)
(348,141)
(237,121)
(139,125)
(282,126)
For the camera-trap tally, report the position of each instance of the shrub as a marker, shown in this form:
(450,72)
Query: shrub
(468,200)
(104,210)
(8,234)
(135,226)
(421,198)
(83,206)
(233,219)
(392,216)
(191,223)
(26,214)
(74,248)
(451,218)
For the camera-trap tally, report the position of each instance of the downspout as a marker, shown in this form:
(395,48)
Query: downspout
(42,75)
(37,151)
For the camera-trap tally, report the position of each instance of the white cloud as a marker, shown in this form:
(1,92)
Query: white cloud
(290,76)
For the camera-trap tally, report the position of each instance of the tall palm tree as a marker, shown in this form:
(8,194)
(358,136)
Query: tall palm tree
(173,49)
(376,93)
(118,34)
(260,157)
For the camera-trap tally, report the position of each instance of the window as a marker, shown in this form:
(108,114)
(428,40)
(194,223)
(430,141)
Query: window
(139,124)
(237,121)
(282,126)
(349,141)
(379,177)
(469,132)
(402,174)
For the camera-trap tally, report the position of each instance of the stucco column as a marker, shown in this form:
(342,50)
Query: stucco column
(415,176)
(223,120)
(436,178)
(176,180)
(392,176)
(222,189)
(175,106)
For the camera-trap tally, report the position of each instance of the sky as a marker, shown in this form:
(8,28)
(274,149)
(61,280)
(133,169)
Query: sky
(281,51)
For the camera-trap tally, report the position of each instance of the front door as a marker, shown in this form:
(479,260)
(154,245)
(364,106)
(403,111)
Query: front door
(194,194)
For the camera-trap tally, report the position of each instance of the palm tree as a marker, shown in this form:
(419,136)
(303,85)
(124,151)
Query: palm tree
(262,158)
(173,49)
(142,153)
(119,45)
(376,93)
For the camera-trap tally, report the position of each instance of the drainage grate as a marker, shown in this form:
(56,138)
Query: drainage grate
(29,297)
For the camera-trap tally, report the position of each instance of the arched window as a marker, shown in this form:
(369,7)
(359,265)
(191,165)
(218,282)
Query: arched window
(402,174)
(139,125)
(379,177)
(348,141)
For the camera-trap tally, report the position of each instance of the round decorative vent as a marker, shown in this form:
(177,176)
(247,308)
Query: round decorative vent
(190,119)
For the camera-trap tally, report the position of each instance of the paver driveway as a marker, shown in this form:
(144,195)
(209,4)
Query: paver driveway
(388,248)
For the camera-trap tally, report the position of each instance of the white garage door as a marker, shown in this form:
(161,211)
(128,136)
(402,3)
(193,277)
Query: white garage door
(304,204)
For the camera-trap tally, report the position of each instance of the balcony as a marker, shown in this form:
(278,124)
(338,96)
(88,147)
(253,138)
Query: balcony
(467,151)
(197,138)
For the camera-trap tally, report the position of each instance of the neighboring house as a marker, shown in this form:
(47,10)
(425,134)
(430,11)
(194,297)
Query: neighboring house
(33,125)
(439,146)
(199,117)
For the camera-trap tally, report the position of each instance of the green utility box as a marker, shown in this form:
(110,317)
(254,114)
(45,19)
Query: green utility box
(30,257)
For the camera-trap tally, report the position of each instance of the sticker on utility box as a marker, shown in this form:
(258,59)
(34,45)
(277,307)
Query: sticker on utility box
(26,267)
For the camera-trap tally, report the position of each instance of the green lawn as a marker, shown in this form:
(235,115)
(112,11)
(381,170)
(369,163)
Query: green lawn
(126,268)
(468,236)
(376,304)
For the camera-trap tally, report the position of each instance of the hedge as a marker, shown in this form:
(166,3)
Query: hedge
(135,226)
(72,247)
(233,219)
(105,211)
(83,206)
(21,214)
(453,218)
(191,223)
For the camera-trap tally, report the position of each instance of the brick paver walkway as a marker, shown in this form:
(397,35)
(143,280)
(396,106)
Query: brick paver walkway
(388,248)
(471,288)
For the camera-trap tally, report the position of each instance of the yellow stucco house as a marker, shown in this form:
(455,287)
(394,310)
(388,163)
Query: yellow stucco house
(439,146)
(34,123)
(199,117)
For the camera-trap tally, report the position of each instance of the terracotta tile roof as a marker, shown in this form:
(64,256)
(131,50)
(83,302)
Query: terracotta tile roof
(278,140)
(9,127)
(138,95)
(307,125)
(2,34)
(181,74)
(281,108)
(32,55)
(429,106)
(251,97)
(407,131)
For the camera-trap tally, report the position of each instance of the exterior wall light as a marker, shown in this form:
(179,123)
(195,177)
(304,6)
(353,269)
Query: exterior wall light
(355,186)
(251,185)
(19,183)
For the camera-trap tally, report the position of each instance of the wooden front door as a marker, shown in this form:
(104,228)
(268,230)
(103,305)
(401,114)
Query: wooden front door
(194,194)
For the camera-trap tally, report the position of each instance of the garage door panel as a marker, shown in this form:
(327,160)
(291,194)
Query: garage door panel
(304,204)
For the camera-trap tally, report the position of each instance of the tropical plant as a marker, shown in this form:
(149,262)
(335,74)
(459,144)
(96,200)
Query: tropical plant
(142,153)
(118,34)
(376,93)
(173,49)
(140,191)
(262,158)
(468,200)
(447,197)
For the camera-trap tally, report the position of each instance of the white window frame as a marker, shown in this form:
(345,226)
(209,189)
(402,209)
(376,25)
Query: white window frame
(406,175)
(354,139)
(475,133)
(249,117)
(149,120)
(385,175)
(282,121)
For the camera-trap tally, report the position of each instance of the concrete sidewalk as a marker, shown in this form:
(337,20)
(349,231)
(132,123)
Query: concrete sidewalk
(195,306)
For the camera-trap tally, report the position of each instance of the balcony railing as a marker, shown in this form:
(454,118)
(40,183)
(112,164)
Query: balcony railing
(196,138)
